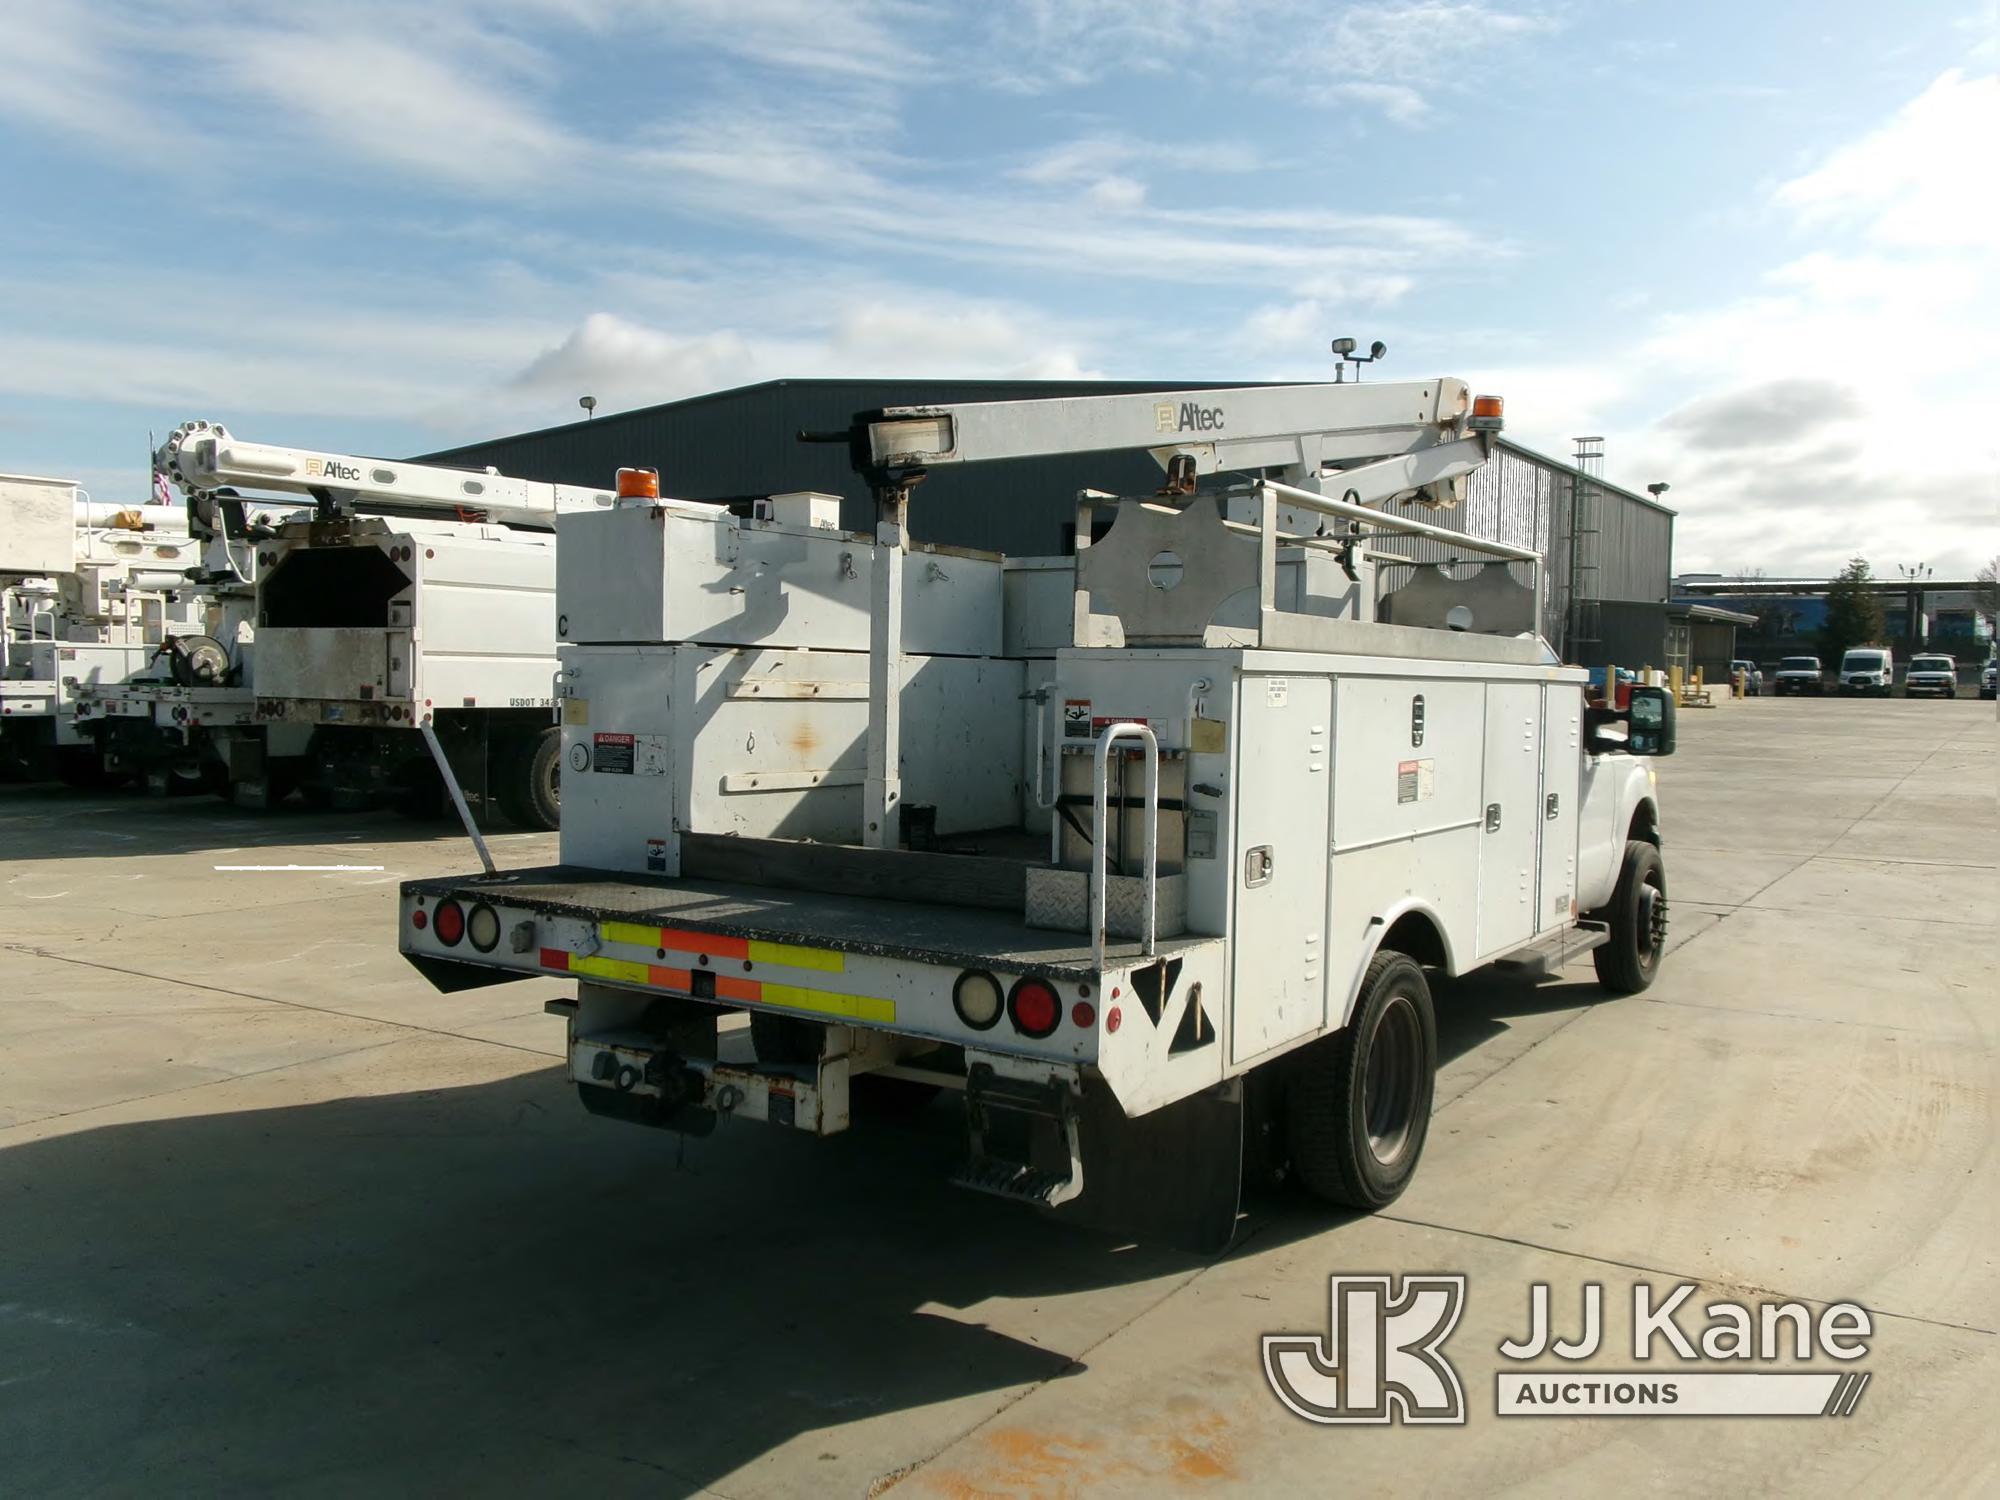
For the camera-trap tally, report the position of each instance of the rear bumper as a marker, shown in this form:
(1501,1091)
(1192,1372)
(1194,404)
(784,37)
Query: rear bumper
(866,966)
(27,700)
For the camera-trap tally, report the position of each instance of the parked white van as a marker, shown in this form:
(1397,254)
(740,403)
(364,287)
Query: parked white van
(1867,669)
(1931,673)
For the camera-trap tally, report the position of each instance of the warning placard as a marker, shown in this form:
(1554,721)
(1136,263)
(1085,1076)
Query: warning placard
(611,752)
(1415,780)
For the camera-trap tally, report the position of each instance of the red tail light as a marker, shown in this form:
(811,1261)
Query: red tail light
(448,922)
(418,920)
(1034,1008)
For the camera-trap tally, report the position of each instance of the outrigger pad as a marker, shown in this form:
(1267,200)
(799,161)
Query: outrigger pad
(1172,1177)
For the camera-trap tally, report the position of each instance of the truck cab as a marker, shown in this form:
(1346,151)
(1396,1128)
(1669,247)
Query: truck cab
(1868,669)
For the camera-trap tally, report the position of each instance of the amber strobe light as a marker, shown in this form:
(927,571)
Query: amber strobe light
(1486,414)
(448,923)
(638,484)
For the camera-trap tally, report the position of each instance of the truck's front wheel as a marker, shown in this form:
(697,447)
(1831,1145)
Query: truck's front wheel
(531,789)
(1637,917)
(1359,1106)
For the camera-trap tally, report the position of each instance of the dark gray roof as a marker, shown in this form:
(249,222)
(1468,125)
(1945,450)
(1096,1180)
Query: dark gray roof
(731,445)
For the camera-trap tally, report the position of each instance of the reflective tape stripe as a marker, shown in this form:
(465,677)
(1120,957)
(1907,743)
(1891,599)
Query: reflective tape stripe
(784,996)
(714,944)
(826,1003)
(792,956)
(609,968)
(717,945)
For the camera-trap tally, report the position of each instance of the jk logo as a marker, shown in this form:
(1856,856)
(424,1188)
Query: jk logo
(1380,1360)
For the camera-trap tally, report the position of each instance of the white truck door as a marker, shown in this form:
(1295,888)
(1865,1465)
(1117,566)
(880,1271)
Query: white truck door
(1562,749)
(1512,816)
(1283,771)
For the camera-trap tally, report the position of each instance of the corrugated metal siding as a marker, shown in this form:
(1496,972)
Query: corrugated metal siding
(739,443)
(1521,498)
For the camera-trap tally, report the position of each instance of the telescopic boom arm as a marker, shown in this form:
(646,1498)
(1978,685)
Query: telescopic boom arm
(203,457)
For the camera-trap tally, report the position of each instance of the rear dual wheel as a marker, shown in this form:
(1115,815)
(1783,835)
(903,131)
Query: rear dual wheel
(530,789)
(1358,1106)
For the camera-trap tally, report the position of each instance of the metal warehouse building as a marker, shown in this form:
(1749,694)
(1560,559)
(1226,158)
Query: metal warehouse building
(1610,551)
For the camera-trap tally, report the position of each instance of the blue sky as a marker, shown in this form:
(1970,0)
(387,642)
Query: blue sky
(1750,244)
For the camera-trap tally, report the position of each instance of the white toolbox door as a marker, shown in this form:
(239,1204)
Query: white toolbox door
(1282,801)
(1562,738)
(1510,830)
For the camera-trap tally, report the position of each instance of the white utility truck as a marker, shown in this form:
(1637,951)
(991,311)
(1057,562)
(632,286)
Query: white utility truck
(1147,851)
(91,591)
(410,595)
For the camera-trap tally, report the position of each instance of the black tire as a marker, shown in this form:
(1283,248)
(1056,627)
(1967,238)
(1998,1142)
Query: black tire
(530,790)
(1359,1105)
(1637,917)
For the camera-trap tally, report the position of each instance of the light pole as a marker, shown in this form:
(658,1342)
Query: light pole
(589,405)
(1914,575)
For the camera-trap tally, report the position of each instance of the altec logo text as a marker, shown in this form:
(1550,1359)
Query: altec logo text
(1188,416)
(330,468)
(1382,1358)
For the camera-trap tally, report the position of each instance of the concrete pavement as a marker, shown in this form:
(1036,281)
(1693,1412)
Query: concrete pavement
(274,1214)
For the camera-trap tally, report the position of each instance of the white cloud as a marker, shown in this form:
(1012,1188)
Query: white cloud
(397,103)
(866,331)
(1923,181)
(1385,56)
(1889,318)
(62,72)
(1402,104)
(1414,41)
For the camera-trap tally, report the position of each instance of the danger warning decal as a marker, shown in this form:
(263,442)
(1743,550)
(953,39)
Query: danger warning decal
(611,752)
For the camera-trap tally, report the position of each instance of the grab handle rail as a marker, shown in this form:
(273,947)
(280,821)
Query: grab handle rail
(1099,843)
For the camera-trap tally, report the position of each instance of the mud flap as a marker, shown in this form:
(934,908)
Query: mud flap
(1172,1177)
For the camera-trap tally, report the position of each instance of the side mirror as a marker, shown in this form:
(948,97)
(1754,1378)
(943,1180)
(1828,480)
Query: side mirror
(1650,722)
(1647,722)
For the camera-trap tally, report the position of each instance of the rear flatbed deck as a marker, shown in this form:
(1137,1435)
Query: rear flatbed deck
(954,936)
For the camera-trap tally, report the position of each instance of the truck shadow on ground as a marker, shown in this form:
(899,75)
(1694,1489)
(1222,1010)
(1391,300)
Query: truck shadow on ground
(409,1290)
(50,821)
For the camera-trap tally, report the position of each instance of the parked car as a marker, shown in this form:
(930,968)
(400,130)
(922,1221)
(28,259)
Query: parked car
(1989,680)
(1752,676)
(1931,674)
(1799,674)
(1868,669)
